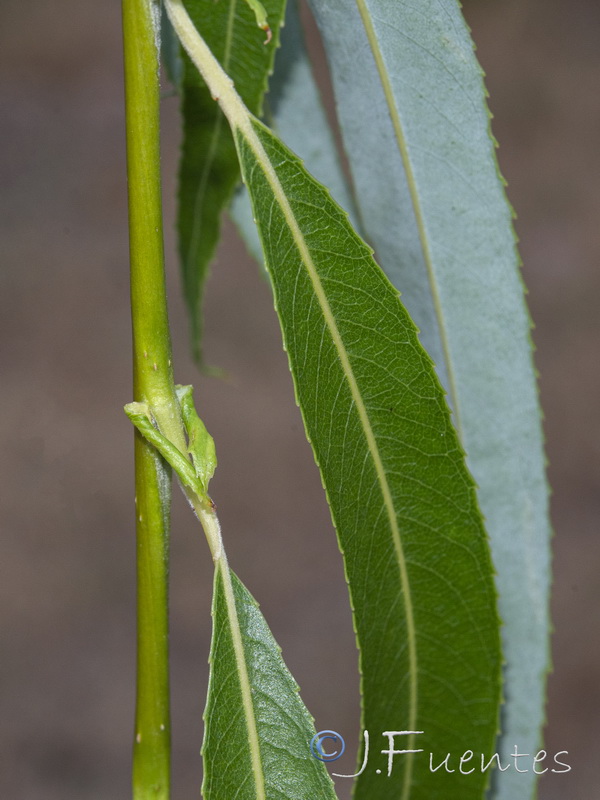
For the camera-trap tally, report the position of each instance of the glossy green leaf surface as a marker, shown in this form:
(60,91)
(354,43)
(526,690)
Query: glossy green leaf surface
(411,104)
(401,498)
(209,169)
(295,112)
(258,731)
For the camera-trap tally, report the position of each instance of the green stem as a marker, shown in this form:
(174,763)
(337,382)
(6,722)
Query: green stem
(153,384)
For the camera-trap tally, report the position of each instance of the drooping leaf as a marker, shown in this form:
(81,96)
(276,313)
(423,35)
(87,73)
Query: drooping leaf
(258,731)
(209,169)
(402,500)
(411,103)
(296,113)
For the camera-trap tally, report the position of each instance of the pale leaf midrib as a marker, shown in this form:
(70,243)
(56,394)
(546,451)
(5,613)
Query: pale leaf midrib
(245,688)
(246,129)
(416,203)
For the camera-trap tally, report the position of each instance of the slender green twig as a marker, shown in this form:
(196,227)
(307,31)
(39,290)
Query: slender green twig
(153,384)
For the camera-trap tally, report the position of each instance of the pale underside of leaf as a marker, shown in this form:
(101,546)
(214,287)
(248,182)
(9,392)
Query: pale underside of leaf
(412,108)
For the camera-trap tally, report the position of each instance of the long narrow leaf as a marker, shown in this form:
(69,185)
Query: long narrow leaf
(209,169)
(403,503)
(416,128)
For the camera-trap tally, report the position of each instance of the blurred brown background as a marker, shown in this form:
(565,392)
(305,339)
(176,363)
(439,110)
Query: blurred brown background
(67,554)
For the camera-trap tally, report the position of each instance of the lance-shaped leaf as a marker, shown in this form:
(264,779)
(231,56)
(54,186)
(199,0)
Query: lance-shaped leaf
(403,502)
(209,169)
(412,108)
(258,732)
(296,113)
